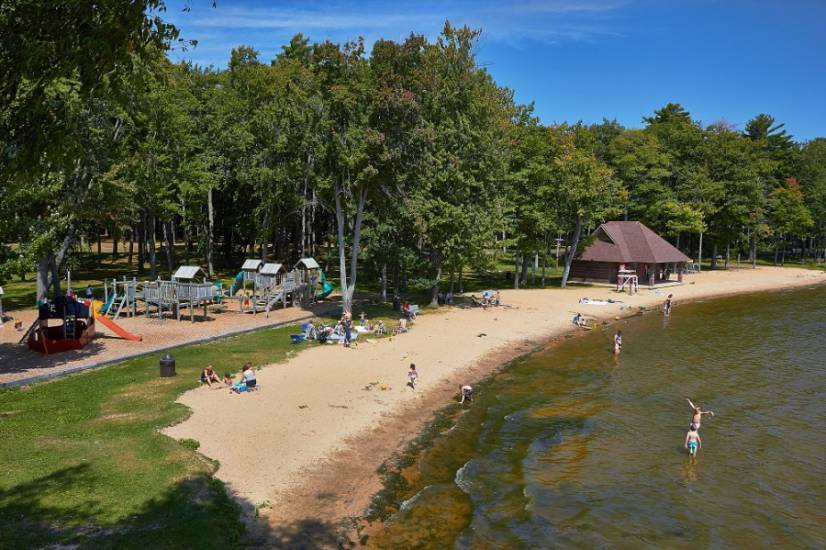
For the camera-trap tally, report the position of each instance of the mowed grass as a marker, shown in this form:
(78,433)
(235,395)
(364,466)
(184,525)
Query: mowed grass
(83,462)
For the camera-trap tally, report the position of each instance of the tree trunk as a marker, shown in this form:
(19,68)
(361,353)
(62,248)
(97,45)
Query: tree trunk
(516,269)
(569,258)
(100,252)
(783,251)
(170,250)
(776,250)
(115,239)
(714,255)
(461,279)
(265,241)
(354,251)
(700,253)
(451,280)
(523,278)
(131,252)
(436,259)
(753,249)
(141,242)
(210,234)
(728,256)
(384,282)
(153,265)
(544,259)
(43,276)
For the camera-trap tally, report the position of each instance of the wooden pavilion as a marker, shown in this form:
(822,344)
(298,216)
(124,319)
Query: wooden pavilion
(627,250)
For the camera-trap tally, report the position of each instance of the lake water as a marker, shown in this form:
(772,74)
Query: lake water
(570,447)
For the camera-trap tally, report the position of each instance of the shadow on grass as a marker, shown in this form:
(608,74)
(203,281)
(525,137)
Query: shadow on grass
(194,513)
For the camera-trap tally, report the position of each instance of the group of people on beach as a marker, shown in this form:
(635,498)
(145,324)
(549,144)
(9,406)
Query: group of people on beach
(246,381)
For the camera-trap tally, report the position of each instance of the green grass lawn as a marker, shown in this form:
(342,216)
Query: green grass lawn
(82,460)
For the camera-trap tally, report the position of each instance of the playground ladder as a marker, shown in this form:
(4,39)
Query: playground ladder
(69,325)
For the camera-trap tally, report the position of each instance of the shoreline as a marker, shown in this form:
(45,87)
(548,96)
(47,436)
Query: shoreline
(327,474)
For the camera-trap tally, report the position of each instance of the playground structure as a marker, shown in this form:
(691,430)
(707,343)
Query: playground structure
(77,327)
(119,297)
(273,284)
(183,291)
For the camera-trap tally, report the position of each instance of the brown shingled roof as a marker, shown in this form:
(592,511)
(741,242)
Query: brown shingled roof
(630,242)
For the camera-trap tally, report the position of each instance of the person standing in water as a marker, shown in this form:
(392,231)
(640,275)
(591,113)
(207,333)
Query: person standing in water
(667,305)
(697,414)
(618,342)
(693,441)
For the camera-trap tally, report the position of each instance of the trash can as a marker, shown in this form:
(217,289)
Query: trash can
(167,365)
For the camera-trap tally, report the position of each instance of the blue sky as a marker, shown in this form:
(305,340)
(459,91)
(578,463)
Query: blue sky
(576,59)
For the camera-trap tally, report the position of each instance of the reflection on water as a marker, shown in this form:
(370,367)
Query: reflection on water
(573,447)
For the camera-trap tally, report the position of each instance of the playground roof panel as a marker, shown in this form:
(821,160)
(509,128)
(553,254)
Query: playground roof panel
(308,263)
(251,265)
(188,272)
(272,269)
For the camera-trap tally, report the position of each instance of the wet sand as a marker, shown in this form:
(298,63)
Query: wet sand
(307,446)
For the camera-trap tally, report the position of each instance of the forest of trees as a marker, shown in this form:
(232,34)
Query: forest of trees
(405,163)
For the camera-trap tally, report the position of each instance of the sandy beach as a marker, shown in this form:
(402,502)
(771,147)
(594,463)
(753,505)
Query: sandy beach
(306,447)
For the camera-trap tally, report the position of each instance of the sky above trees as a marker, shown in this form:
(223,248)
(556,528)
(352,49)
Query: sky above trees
(578,60)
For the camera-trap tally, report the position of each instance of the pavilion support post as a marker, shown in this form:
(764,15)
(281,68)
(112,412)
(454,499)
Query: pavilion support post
(680,267)
(652,274)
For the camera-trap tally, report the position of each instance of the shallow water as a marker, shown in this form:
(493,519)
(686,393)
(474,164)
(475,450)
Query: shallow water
(570,447)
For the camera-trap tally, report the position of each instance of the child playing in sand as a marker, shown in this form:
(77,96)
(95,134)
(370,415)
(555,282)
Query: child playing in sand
(412,376)
(227,379)
(693,441)
(697,414)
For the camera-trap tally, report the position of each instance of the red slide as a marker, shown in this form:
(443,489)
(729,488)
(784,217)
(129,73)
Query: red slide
(117,329)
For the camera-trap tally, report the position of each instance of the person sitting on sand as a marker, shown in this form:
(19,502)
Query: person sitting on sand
(248,376)
(618,342)
(412,376)
(380,329)
(402,327)
(208,376)
(693,441)
(467,393)
(227,379)
(697,414)
(579,320)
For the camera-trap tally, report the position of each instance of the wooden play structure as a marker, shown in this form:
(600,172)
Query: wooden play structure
(272,285)
(188,289)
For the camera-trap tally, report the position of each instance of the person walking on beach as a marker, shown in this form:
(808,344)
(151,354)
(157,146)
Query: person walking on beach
(467,393)
(697,414)
(693,441)
(412,376)
(667,305)
(618,342)
(348,328)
